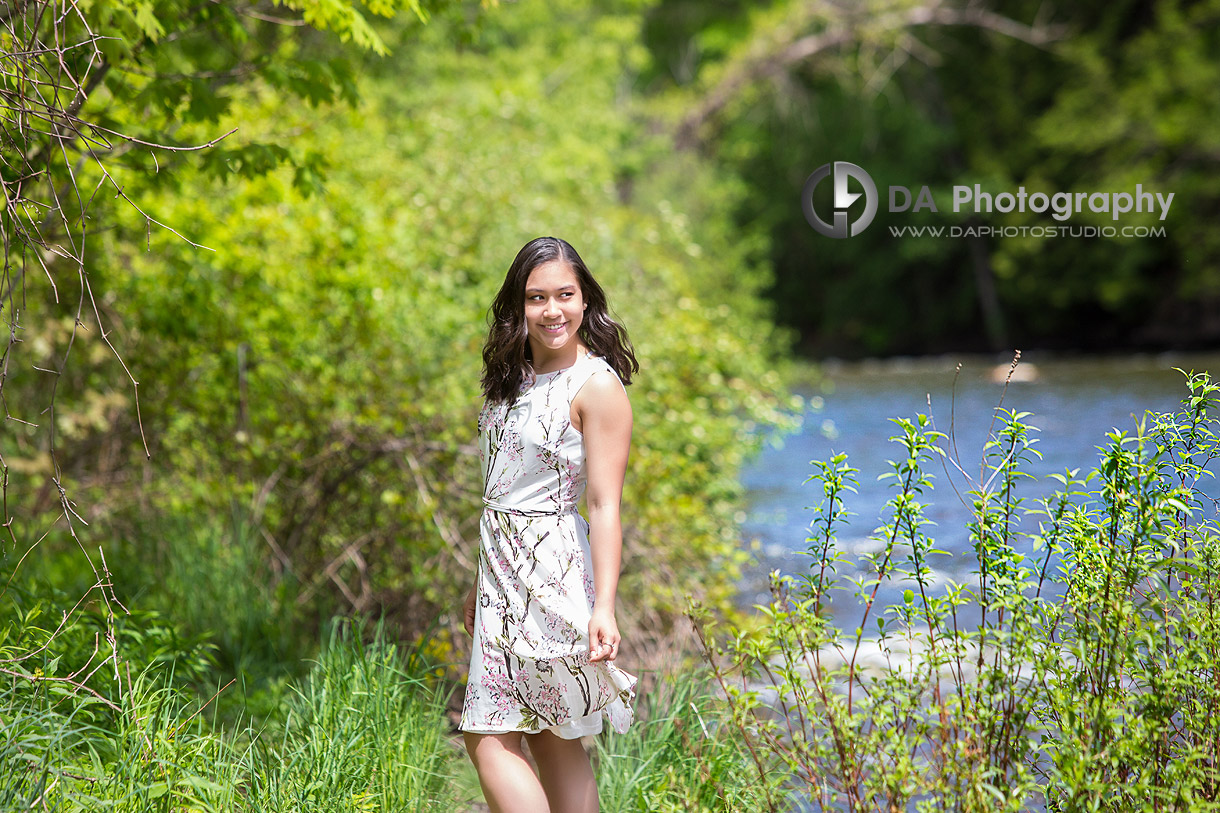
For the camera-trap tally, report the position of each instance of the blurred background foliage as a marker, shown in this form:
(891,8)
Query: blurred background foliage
(1111,95)
(309,378)
(308,373)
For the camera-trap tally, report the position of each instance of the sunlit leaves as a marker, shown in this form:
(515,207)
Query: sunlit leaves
(1078,667)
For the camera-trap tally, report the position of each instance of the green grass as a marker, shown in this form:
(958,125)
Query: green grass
(365,730)
(678,756)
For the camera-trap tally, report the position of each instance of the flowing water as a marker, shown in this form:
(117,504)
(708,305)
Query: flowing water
(1074,404)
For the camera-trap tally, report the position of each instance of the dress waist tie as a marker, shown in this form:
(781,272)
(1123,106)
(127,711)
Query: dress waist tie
(527,512)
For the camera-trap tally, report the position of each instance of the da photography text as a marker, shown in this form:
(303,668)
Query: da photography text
(1061,206)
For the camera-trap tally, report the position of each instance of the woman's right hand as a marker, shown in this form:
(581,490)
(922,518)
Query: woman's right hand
(468,607)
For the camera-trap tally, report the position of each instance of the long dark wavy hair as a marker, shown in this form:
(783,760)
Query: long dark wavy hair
(507,361)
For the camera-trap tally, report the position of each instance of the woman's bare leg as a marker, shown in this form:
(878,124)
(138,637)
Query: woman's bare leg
(509,783)
(565,771)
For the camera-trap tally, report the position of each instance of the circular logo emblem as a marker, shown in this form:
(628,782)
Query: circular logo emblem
(843,200)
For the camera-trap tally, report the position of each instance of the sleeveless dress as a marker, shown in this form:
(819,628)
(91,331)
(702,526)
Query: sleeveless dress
(529,663)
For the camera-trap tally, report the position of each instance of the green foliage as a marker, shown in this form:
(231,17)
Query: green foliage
(1120,101)
(680,755)
(859,99)
(1122,93)
(49,632)
(1088,680)
(366,730)
(320,365)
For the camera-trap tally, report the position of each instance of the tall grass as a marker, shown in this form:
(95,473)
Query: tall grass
(67,750)
(365,730)
(679,756)
(209,699)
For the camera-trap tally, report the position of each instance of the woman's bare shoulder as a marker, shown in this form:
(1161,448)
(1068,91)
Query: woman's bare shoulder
(602,387)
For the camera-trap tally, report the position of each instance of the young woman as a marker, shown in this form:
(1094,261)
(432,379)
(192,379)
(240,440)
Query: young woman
(556,419)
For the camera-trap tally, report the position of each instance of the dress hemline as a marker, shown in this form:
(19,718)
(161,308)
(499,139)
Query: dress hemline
(572,729)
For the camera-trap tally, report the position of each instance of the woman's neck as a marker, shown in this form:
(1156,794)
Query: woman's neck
(560,359)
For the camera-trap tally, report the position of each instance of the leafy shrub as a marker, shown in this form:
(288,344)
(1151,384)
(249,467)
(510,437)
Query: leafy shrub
(1090,680)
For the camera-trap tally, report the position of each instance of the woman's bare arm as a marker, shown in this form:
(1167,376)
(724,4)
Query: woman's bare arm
(603,412)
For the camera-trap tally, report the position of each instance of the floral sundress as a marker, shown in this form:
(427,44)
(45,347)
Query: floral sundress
(529,663)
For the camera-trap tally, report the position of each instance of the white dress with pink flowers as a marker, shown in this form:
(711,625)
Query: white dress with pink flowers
(529,665)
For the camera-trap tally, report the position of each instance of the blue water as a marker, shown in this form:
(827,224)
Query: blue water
(1075,403)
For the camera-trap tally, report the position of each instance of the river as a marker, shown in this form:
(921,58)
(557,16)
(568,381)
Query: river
(1074,403)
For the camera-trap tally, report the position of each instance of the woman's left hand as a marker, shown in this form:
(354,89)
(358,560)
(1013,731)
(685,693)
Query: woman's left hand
(603,636)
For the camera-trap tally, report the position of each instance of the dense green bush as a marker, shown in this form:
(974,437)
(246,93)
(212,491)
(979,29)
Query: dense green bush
(1084,676)
(319,365)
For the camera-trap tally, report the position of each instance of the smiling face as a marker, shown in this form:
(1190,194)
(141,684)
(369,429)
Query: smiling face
(554,310)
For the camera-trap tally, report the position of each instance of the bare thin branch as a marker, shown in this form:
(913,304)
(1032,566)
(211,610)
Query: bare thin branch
(846,24)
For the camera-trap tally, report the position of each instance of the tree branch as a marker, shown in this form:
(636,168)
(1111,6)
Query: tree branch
(13,8)
(844,28)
